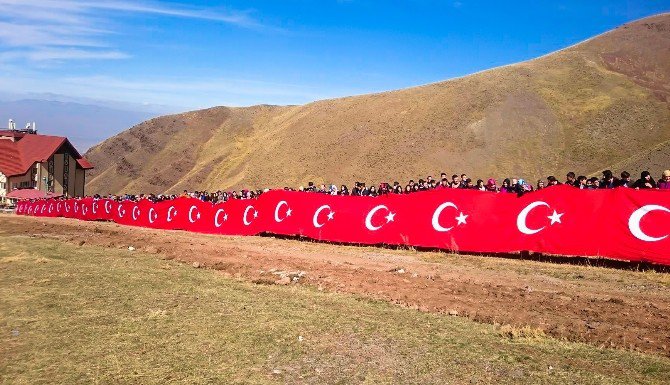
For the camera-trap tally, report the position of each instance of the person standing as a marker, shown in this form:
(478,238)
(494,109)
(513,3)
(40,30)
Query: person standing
(625,180)
(645,181)
(664,183)
(608,181)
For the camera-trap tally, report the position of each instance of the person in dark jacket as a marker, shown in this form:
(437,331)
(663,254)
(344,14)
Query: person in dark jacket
(645,181)
(507,186)
(464,181)
(581,182)
(364,190)
(455,181)
(608,181)
(592,183)
(625,180)
(552,181)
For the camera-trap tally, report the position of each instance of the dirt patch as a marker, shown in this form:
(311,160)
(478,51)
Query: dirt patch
(602,306)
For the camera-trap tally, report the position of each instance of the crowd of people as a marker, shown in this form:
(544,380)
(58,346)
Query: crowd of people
(462,181)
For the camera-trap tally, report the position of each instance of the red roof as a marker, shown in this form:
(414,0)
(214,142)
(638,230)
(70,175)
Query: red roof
(30,193)
(84,163)
(16,157)
(12,133)
(10,158)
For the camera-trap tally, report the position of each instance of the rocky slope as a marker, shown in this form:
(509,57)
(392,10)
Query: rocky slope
(604,103)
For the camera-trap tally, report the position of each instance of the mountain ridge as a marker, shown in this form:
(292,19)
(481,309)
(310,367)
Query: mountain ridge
(596,103)
(84,124)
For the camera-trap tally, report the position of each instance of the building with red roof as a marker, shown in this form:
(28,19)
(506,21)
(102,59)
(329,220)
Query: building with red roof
(48,165)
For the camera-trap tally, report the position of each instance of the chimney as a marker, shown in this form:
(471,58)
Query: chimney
(12,125)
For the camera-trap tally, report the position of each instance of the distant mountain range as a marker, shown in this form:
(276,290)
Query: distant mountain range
(84,124)
(603,103)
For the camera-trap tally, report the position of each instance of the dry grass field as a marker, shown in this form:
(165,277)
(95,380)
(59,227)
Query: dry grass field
(77,306)
(600,104)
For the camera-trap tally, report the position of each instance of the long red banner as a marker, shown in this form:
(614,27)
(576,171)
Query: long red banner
(621,223)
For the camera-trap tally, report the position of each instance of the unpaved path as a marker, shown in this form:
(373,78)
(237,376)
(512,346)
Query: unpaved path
(602,306)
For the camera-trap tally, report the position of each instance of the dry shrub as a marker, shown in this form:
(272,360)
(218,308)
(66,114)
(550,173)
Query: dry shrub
(514,332)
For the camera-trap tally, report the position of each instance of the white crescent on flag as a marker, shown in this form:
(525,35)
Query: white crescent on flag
(315,219)
(521,218)
(190,214)
(152,215)
(288,211)
(636,217)
(461,219)
(246,211)
(368,219)
(170,215)
(216,217)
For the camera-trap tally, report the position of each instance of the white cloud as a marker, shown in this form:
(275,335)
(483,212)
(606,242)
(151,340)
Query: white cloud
(40,38)
(237,18)
(63,54)
(35,30)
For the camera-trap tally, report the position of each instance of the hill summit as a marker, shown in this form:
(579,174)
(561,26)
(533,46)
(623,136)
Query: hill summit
(603,103)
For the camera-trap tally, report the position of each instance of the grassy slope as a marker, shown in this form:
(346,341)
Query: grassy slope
(585,108)
(93,315)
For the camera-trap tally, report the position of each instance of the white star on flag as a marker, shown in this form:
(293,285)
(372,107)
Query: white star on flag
(255,214)
(555,217)
(331,215)
(461,219)
(225,217)
(390,217)
(288,212)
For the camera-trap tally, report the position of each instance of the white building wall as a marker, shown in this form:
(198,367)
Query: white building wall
(3,186)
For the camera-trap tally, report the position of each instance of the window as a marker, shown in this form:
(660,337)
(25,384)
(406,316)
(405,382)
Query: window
(3,185)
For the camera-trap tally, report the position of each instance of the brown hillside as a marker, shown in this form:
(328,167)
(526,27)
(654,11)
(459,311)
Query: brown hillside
(602,103)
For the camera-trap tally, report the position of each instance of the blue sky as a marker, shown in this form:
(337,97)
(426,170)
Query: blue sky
(205,53)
